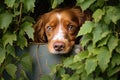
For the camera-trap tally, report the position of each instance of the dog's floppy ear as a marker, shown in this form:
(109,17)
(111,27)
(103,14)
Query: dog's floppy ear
(39,34)
(82,15)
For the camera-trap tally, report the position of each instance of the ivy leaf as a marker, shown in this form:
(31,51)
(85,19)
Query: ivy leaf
(9,37)
(11,69)
(28,29)
(112,14)
(2,54)
(10,3)
(100,31)
(103,57)
(86,4)
(118,47)
(29,4)
(113,71)
(45,77)
(97,15)
(97,33)
(65,77)
(10,50)
(56,2)
(74,77)
(79,1)
(27,62)
(90,65)
(85,39)
(103,41)
(81,56)
(86,28)
(112,43)
(68,61)
(115,60)
(5,20)
(21,41)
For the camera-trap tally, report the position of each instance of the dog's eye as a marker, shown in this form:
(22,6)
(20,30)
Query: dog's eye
(71,27)
(49,28)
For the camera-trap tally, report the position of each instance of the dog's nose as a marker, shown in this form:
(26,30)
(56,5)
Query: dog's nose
(59,46)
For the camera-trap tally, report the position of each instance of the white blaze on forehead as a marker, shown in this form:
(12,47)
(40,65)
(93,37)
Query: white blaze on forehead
(59,35)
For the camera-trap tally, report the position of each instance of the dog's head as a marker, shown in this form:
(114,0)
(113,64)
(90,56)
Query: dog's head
(59,28)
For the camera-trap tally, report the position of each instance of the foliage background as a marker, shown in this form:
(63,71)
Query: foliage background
(101,39)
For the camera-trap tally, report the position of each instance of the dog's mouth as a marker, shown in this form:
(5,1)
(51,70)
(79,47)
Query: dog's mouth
(60,47)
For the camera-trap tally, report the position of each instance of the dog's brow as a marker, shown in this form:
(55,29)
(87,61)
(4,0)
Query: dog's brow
(59,35)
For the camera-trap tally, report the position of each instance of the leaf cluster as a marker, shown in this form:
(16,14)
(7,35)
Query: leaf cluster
(15,23)
(101,40)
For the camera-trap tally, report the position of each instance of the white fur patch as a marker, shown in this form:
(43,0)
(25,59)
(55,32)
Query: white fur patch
(59,35)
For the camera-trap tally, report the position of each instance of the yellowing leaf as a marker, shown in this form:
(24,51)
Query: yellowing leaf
(5,20)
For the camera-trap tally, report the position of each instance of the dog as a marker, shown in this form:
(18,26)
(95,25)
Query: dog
(59,29)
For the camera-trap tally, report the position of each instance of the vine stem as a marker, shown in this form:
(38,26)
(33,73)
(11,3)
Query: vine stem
(19,20)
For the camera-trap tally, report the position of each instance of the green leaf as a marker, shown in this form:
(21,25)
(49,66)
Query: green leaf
(97,33)
(79,1)
(29,4)
(103,41)
(5,20)
(9,37)
(2,54)
(21,41)
(86,28)
(84,76)
(65,77)
(118,47)
(68,61)
(115,60)
(97,15)
(112,43)
(11,69)
(85,39)
(10,3)
(46,77)
(103,57)
(56,3)
(99,78)
(81,56)
(100,31)
(113,71)
(10,50)
(27,62)
(90,65)
(28,29)
(74,77)
(112,14)
(86,4)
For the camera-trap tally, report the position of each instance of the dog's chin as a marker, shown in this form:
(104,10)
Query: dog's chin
(59,52)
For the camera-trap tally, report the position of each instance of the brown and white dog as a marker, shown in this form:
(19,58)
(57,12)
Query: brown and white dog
(59,28)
